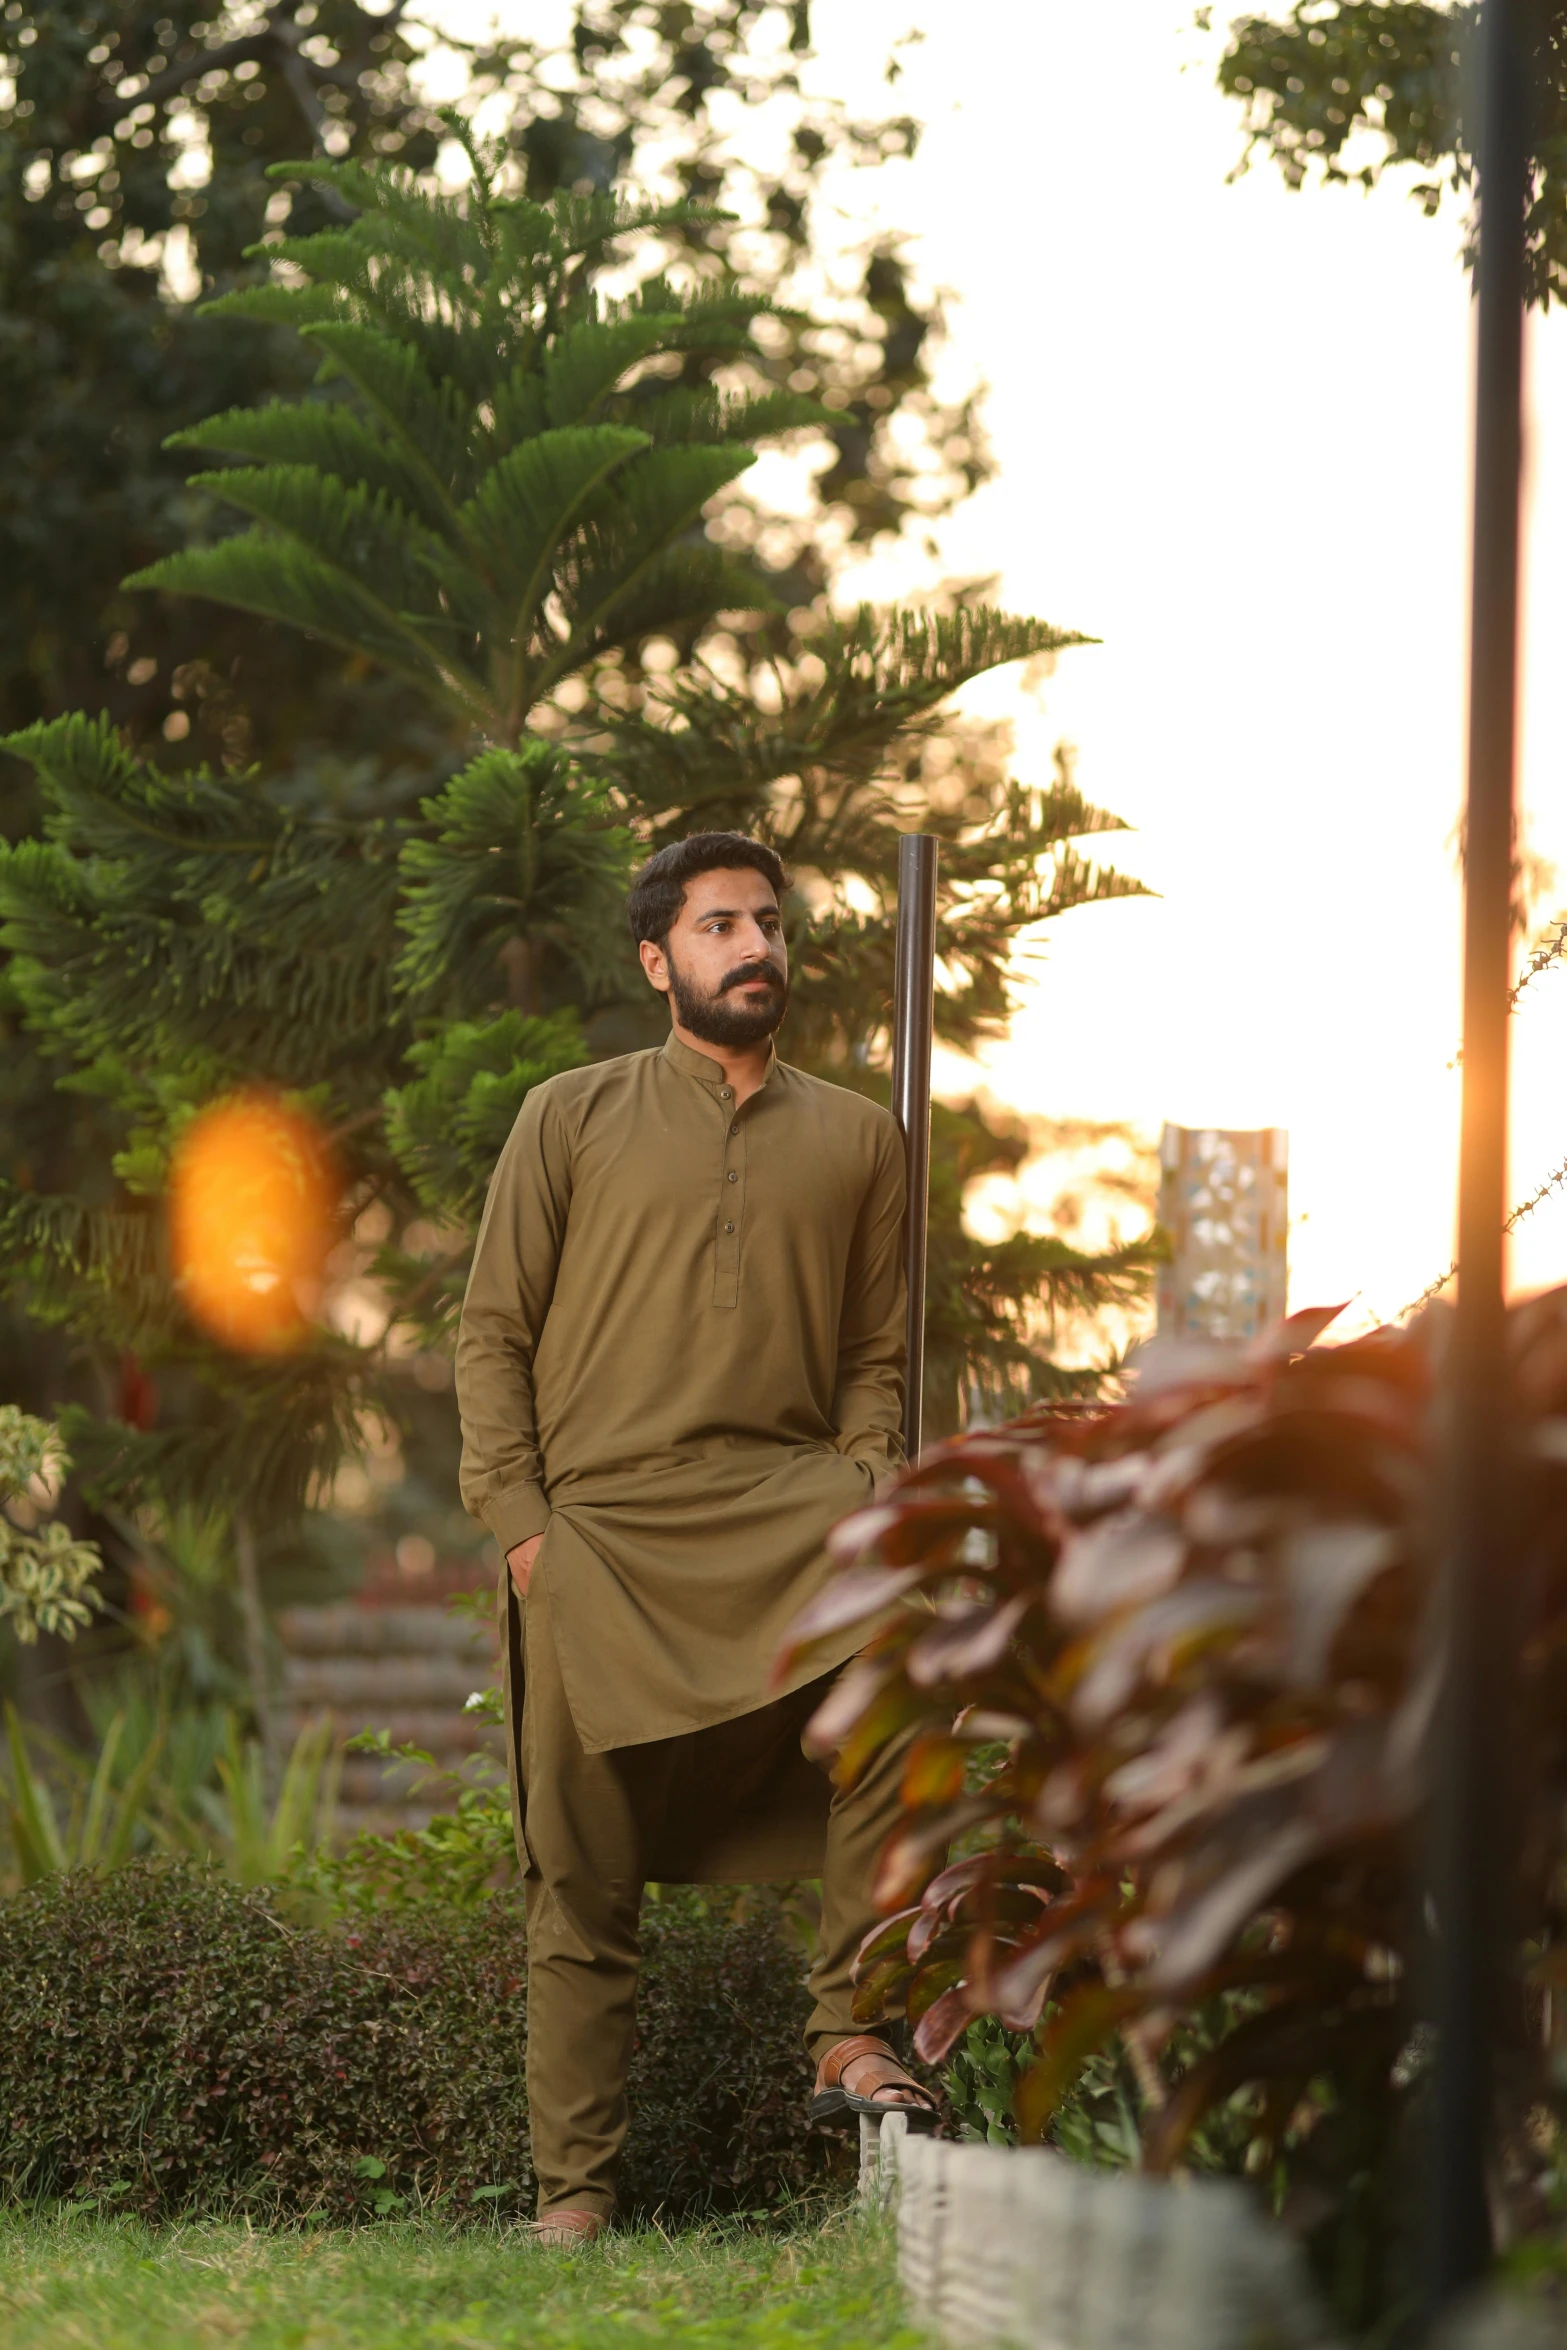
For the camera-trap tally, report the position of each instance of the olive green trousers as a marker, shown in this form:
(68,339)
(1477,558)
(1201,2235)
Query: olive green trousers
(738,1801)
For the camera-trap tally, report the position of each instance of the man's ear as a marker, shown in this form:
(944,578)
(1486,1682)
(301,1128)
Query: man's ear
(655,963)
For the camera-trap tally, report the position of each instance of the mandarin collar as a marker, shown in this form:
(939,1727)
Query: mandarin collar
(703,1067)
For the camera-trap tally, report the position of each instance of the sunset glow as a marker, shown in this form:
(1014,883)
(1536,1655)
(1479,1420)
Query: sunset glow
(252,1205)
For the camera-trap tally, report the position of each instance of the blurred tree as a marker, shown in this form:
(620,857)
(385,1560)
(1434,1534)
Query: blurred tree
(495,491)
(1349,88)
(134,143)
(135,138)
(133,146)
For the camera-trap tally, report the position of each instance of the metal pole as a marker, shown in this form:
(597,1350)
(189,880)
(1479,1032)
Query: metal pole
(913,1016)
(1471,1874)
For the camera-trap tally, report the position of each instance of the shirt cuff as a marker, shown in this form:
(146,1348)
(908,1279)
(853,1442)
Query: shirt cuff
(517,1515)
(881,1454)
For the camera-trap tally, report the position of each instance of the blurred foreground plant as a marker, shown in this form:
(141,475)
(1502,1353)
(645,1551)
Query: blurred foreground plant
(263,1840)
(150,1788)
(1174,1664)
(103,1813)
(457,1858)
(46,1575)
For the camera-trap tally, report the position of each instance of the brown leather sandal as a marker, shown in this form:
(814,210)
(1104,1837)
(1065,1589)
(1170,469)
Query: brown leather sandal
(565,2230)
(854,2070)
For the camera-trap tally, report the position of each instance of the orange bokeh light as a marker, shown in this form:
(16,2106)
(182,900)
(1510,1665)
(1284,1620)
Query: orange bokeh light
(253,1201)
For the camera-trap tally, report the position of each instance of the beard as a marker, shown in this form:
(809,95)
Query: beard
(720,1018)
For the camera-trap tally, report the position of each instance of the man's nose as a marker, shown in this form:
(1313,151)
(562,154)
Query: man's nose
(764,945)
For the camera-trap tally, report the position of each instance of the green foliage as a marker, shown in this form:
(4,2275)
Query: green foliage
(458,1858)
(1195,1622)
(46,1575)
(446,1128)
(495,491)
(134,146)
(276,2064)
(264,1839)
(980,2078)
(525,863)
(510,490)
(98,197)
(1401,74)
(190,1783)
(173,935)
(101,1829)
(994,1309)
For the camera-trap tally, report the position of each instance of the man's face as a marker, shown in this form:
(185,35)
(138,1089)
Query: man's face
(724,965)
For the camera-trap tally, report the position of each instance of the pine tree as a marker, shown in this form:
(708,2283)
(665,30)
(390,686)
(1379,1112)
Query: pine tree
(496,490)
(135,141)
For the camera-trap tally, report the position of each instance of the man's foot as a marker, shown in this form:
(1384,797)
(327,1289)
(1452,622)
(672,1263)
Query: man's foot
(861,2075)
(565,2230)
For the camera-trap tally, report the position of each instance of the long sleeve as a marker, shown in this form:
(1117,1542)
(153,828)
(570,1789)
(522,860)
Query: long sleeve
(508,1297)
(868,1398)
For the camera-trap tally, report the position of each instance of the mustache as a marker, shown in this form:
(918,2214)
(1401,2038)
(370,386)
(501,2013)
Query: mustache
(748,975)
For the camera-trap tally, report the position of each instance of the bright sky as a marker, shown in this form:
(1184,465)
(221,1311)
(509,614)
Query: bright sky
(1232,427)
(1232,432)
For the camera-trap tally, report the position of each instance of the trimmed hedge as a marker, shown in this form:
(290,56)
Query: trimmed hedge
(172,2042)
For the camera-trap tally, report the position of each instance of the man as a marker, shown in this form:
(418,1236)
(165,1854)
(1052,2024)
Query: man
(680,1363)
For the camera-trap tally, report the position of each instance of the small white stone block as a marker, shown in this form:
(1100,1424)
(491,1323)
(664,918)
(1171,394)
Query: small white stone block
(922,2165)
(880,2139)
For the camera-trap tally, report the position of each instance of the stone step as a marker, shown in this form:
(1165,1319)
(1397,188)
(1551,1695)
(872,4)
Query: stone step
(394,1658)
(349,1683)
(348,1628)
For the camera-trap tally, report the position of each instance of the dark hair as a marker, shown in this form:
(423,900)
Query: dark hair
(659,891)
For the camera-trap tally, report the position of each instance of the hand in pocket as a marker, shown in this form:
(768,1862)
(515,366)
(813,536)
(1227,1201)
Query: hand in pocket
(520,1560)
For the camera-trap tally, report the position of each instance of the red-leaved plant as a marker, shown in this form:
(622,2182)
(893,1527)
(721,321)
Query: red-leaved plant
(1175,1661)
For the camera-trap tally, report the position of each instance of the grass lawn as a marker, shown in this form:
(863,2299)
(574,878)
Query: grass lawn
(117,2285)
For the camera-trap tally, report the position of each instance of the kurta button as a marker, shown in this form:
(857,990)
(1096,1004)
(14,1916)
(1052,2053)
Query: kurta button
(733,1177)
(724,1094)
(729,1228)
(735,1126)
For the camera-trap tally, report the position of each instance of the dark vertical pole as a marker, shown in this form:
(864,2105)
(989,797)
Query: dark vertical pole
(913,1015)
(1471,1876)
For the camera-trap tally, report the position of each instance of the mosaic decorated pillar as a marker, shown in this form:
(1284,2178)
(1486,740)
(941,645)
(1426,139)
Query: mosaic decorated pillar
(1224,1201)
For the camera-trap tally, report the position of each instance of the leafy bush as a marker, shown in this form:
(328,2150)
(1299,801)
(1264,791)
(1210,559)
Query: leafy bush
(1197,1622)
(176,2042)
(46,1575)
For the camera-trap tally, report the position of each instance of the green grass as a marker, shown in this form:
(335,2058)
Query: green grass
(103,2284)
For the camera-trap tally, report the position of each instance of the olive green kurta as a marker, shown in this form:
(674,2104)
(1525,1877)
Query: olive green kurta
(681,1360)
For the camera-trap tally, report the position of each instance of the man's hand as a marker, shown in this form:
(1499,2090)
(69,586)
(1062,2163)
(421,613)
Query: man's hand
(521,1561)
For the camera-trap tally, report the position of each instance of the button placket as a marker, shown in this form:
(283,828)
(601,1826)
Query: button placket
(731,1206)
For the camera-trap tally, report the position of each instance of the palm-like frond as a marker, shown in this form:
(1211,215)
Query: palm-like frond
(84,1268)
(329,439)
(524,852)
(190,923)
(424,416)
(855,691)
(269,1432)
(588,358)
(525,508)
(446,1127)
